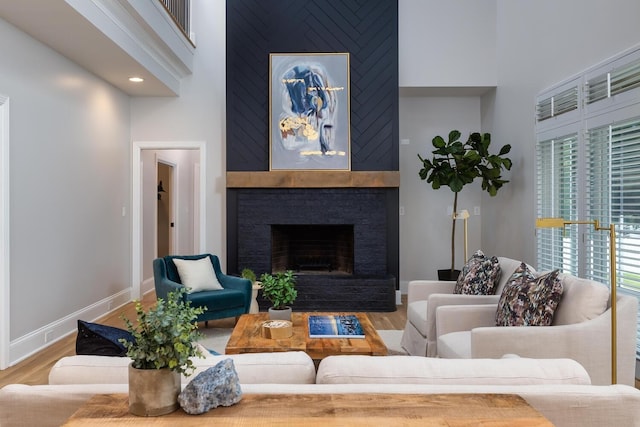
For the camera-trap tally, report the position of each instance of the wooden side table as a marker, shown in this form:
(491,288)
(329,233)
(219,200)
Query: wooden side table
(320,410)
(254,308)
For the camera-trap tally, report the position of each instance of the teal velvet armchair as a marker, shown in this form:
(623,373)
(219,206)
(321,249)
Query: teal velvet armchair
(231,301)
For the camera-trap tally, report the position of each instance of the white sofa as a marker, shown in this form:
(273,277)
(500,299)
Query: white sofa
(425,296)
(560,389)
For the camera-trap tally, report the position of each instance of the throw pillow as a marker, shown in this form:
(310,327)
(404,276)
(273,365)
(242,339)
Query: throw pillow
(479,276)
(527,300)
(101,340)
(197,274)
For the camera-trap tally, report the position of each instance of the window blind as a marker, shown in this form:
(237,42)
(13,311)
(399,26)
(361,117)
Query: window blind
(614,82)
(557,189)
(613,196)
(558,104)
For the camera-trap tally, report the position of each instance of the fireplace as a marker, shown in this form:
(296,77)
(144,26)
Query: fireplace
(312,249)
(336,240)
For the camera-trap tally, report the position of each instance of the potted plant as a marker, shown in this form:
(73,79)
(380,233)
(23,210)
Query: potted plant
(248,273)
(162,349)
(455,164)
(279,289)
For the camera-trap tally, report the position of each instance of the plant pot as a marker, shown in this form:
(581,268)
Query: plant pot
(448,275)
(153,392)
(280,314)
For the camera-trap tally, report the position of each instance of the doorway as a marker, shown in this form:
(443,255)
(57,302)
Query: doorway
(137,197)
(165,217)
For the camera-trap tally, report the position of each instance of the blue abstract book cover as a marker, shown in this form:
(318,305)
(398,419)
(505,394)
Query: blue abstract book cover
(335,326)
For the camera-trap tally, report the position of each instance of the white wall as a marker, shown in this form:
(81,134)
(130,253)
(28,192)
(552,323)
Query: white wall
(529,60)
(448,43)
(69,142)
(197,115)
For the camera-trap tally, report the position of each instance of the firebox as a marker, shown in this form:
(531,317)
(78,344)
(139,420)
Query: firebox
(312,249)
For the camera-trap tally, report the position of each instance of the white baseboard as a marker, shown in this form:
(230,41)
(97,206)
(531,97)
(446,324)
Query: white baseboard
(147,286)
(26,345)
(404,287)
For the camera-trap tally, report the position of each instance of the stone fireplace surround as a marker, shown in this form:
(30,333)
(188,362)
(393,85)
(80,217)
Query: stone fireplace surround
(370,287)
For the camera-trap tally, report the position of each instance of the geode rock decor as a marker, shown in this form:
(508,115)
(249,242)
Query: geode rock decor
(217,386)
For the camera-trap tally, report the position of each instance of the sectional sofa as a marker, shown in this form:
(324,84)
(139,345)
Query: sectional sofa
(559,388)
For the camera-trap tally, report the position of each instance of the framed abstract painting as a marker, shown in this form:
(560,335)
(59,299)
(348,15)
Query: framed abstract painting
(309,111)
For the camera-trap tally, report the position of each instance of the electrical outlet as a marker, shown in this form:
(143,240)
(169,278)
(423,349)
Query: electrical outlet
(476,210)
(401,210)
(48,336)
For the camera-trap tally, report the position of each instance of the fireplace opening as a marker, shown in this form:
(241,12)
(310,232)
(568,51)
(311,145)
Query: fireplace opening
(312,249)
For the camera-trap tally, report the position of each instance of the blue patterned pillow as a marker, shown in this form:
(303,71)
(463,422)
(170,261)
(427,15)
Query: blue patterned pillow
(527,300)
(479,276)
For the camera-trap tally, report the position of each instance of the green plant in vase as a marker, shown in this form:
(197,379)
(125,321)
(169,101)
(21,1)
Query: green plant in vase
(279,289)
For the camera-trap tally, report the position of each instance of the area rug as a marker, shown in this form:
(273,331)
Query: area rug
(216,339)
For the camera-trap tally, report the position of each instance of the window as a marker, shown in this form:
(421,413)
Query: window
(588,167)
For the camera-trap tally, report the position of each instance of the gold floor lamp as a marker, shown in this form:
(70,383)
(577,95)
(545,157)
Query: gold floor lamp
(562,223)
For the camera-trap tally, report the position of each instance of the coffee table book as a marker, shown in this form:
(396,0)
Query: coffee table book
(335,326)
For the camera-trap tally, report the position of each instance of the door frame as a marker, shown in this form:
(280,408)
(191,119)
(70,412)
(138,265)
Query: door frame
(5,247)
(136,200)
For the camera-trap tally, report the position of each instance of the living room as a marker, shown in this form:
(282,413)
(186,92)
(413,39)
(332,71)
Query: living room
(463,65)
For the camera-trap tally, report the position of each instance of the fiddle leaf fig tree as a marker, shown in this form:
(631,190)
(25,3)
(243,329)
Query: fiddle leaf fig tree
(455,164)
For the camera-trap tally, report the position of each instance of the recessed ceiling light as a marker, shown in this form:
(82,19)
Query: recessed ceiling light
(136,79)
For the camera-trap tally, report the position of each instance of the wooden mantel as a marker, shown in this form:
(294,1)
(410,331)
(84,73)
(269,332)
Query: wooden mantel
(314,179)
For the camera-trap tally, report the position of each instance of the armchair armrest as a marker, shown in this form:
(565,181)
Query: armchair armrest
(439,300)
(419,290)
(237,283)
(455,318)
(163,284)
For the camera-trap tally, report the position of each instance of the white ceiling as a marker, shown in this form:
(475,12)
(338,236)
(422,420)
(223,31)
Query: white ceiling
(58,25)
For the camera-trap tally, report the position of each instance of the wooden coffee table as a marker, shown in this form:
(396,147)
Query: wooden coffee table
(246,338)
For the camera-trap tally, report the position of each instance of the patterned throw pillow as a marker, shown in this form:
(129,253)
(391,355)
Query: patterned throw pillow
(527,300)
(479,276)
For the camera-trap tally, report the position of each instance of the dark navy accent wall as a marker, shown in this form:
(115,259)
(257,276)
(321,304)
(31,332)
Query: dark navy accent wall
(367,29)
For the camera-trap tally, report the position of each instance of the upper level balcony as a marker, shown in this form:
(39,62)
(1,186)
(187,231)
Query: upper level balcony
(114,39)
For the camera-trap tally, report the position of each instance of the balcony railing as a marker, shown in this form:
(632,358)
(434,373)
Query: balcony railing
(179,11)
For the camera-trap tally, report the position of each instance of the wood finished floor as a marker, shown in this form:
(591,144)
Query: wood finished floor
(35,369)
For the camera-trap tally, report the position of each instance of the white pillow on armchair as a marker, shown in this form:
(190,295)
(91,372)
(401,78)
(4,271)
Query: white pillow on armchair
(197,274)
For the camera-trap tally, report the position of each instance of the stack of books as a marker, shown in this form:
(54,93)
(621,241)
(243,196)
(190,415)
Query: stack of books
(335,326)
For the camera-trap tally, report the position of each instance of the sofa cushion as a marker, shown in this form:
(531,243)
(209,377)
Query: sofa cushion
(293,367)
(197,274)
(582,299)
(455,345)
(430,370)
(527,300)
(479,275)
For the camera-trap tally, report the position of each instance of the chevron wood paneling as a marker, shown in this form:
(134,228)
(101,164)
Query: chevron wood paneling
(367,29)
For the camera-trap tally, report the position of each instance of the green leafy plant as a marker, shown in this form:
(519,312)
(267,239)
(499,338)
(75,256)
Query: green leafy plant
(248,273)
(279,288)
(164,335)
(455,164)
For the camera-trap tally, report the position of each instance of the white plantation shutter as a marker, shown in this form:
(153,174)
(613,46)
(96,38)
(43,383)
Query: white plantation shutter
(557,188)
(613,168)
(592,173)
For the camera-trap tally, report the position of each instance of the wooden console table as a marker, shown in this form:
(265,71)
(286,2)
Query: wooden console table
(320,410)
